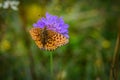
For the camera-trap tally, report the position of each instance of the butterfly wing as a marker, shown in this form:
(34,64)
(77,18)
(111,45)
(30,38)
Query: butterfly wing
(55,40)
(36,35)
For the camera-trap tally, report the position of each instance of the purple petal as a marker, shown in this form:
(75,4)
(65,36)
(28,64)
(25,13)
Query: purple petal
(48,16)
(66,35)
(35,25)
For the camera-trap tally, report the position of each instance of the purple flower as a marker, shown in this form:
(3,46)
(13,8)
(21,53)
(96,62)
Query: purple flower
(54,23)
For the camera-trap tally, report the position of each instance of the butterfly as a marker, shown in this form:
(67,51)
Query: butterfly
(47,39)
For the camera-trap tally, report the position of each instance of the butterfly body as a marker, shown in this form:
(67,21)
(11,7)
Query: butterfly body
(47,39)
(44,36)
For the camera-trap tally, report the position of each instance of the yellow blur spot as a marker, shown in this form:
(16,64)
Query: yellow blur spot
(34,12)
(61,75)
(98,63)
(5,45)
(106,44)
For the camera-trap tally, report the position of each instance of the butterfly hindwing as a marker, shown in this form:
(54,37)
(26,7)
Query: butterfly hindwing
(55,40)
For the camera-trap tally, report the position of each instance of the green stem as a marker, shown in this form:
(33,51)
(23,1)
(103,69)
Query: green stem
(115,64)
(51,65)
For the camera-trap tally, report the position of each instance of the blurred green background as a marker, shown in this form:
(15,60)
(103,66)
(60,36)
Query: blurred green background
(88,55)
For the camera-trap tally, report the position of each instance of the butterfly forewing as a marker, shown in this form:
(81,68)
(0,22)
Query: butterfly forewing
(36,35)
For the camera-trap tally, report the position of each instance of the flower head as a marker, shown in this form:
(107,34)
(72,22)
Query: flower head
(54,23)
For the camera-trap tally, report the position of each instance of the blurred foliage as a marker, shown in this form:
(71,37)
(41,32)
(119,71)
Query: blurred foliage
(92,28)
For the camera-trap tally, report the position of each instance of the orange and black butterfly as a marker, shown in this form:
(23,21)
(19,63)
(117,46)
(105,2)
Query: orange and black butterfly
(47,39)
